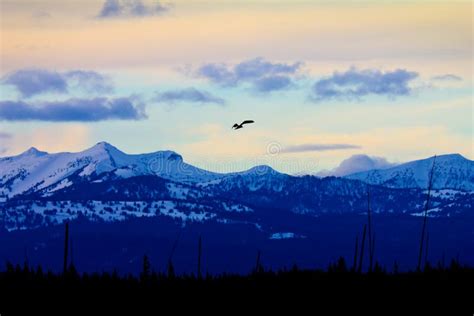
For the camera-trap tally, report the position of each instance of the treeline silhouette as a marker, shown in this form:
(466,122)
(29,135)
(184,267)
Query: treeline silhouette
(341,286)
(434,287)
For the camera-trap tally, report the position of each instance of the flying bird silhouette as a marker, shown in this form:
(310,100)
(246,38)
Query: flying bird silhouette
(237,126)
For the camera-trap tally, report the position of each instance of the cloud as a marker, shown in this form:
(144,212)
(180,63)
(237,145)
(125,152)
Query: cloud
(217,73)
(354,84)
(85,110)
(89,81)
(447,77)
(258,68)
(110,8)
(31,82)
(357,163)
(4,135)
(268,84)
(317,147)
(188,95)
(130,8)
(264,76)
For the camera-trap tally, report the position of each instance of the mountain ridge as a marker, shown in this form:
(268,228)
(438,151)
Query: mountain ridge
(452,171)
(35,170)
(103,183)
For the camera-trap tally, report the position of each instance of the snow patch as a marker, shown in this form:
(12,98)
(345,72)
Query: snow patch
(285,235)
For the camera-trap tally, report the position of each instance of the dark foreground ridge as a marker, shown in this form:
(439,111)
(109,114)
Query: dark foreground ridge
(338,288)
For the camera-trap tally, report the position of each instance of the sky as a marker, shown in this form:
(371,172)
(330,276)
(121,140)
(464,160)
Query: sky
(323,80)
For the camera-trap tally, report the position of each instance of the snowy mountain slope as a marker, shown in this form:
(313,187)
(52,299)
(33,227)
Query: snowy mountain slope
(451,172)
(35,170)
(313,195)
(266,190)
(35,214)
(253,179)
(109,176)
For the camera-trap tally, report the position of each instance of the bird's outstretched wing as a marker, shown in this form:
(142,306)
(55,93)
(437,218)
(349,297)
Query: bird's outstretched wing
(247,122)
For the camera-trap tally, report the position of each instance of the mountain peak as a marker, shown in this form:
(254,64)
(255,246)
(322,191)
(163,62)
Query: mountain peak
(104,145)
(357,163)
(166,155)
(451,159)
(101,147)
(454,156)
(260,170)
(111,150)
(33,151)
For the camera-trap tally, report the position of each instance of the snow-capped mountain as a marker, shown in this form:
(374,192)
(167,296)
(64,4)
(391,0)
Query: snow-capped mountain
(355,164)
(104,183)
(253,179)
(35,170)
(451,172)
